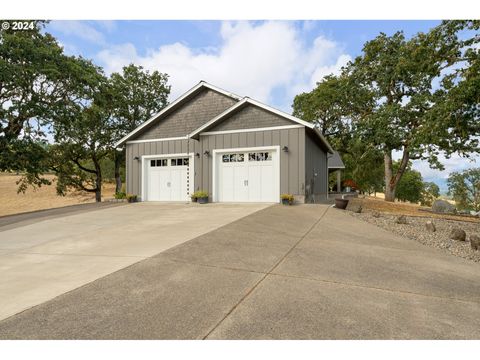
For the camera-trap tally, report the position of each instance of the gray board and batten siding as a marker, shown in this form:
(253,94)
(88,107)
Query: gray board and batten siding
(292,169)
(316,170)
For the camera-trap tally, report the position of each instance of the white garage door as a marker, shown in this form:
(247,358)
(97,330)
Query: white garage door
(248,176)
(167,179)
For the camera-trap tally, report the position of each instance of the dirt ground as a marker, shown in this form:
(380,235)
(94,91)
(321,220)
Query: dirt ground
(42,198)
(401,208)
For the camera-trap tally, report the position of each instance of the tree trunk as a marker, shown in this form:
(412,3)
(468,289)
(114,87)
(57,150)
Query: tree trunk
(118,161)
(391,181)
(98,180)
(98,194)
(389,189)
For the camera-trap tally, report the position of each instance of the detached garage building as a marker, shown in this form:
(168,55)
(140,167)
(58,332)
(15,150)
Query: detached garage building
(237,149)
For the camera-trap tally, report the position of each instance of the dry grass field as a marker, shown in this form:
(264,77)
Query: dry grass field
(401,208)
(42,198)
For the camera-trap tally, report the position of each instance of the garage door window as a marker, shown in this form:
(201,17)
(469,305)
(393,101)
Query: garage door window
(159,162)
(260,156)
(233,158)
(179,162)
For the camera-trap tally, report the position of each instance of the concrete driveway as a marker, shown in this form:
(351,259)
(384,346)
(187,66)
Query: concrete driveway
(302,272)
(46,258)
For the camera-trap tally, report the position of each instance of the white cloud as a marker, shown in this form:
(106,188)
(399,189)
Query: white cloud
(80,29)
(252,60)
(108,25)
(452,164)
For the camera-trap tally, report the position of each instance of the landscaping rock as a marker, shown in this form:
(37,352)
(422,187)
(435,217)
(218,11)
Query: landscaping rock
(416,230)
(442,206)
(356,209)
(430,226)
(475,242)
(402,219)
(458,234)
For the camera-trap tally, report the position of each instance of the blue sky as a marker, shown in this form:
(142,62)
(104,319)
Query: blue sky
(270,61)
(113,44)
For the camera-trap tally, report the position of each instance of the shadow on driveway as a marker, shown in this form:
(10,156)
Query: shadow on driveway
(8,222)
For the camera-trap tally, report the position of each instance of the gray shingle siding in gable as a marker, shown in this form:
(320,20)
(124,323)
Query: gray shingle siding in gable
(196,112)
(249,117)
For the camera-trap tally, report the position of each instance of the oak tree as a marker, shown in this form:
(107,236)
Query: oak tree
(138,95)
(416,97)
(84,134)
(465,188)
(36,83)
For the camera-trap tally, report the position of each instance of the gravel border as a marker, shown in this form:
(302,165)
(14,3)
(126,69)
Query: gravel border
(415,229)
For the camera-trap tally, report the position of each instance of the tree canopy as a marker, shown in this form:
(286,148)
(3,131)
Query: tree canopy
(464,186)
(45,94)
(410,187)
(416,96)
(137,96)
(38,86)
(83,135)
(430,193)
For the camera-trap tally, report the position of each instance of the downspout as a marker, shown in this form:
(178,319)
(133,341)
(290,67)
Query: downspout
(188,167)
(329,155)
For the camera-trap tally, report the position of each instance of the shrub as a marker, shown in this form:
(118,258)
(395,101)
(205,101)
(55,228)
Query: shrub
(199,194)
(131,197)
(287,197)
(350,183)
(120,195)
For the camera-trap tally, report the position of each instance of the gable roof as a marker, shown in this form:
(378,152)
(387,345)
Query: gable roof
(241,102)
(335,161)
(175,104)
(246,100)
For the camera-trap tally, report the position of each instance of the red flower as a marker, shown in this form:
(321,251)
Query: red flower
(350,183)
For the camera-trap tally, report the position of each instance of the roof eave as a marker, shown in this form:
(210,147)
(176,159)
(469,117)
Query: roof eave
(322,138)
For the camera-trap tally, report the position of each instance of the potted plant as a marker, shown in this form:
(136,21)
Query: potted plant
(201,196)
(131,198)
(341,203)
(194,197)
(287,199)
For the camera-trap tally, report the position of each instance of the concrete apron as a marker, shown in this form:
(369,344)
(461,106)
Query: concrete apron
(43,260)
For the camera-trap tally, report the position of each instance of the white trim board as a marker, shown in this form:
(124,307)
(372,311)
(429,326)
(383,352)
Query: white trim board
(200,85)
(191,169)
(284,127)
(216,152)
(155,140)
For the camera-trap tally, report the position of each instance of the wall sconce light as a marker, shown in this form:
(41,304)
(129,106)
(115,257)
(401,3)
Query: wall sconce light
(136,158)
(197,155)
(206,153)
(285,148)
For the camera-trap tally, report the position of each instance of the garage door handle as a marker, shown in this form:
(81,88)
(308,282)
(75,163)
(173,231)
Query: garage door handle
(168,184)
(245,182)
